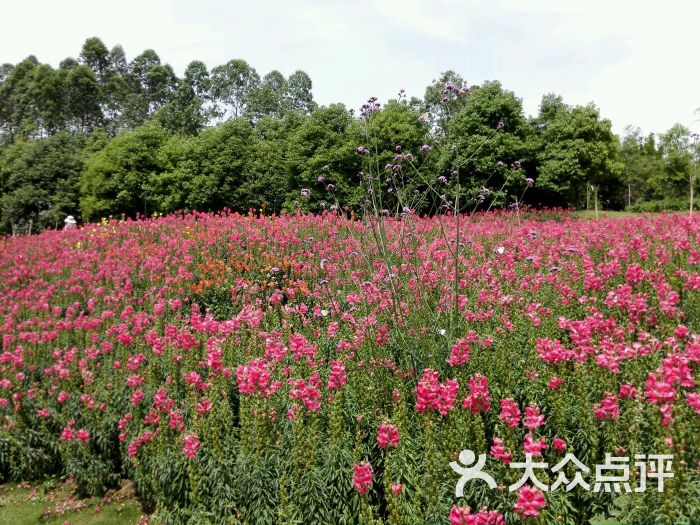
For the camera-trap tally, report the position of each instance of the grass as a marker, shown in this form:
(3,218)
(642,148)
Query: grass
(53,503)
(590,214)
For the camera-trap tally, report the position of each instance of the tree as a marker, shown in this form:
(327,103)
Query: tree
(83,99)
(96,56)
(268,98)
(299,96)
(231,86)
(150,85)
(19,107)
(40,181)
(320,158)
(115,91)
(677,150)
(576,151)
(643,165)
(434,100)
(188,111)
(490,135)
(48,89)
(202,173)
(115,178)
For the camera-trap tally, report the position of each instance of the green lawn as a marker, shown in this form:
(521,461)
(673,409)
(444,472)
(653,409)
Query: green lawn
(590,214)
(53,503)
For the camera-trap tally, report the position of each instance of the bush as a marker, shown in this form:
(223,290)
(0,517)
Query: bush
(657,206)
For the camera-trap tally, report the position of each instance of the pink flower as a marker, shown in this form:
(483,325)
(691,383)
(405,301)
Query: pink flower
(553,351)
(464,516)
(627,391)
(559,444)
(607,409)
(460,353)
(555,383)
(309,393)
(388,435)
(362,477)
(253,378)
(192,445)
(83,435)
(661,393)
(432,395)
(478,399)
(499,451)
(530,501)
(533,417)
(337,376)
(694,401)
(534,447)
(204,406)
(396,488)
(137,397)
(68,434)
(510,412)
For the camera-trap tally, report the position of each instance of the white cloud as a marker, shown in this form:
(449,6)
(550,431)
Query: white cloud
(636,60)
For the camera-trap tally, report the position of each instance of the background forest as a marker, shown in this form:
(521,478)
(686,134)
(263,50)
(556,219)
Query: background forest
(103,135)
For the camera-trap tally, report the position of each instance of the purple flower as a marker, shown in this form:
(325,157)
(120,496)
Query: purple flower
(529,181)
(305,192)
(501,125)
(361,150)
(425,148)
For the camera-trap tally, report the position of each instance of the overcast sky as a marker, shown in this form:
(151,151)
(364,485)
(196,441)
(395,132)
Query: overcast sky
(638,61)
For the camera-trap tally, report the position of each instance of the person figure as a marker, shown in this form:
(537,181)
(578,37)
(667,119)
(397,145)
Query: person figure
(70,223)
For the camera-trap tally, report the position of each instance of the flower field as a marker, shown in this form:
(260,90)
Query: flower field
(318,369)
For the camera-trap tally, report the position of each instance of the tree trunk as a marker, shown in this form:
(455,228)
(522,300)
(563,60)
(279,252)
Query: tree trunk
(692,192)
(595,200)
(629,195)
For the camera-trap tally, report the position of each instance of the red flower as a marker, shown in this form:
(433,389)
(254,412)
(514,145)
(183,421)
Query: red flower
(530,501)
(388,435)
(362,477)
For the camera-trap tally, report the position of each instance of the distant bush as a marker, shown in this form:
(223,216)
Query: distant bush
(659,205)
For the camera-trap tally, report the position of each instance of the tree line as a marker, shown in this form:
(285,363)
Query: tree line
(101,135)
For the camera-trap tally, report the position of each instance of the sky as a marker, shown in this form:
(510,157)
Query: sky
(638,61)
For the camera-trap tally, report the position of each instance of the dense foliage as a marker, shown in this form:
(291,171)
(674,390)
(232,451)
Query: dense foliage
(101,135)
(296,369)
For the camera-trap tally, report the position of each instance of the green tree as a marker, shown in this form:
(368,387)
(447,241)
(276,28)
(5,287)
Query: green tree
(299,96)
(204,172)
(151,85)
(231,86)
(490,135)
(643,165)
(576,152)
(96,56)
(19,111)
(83,98)
(189,110)
(677,150)
(434,100)
(40,181)
(48,89)
(115,178)
(268,98)
(322,166)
